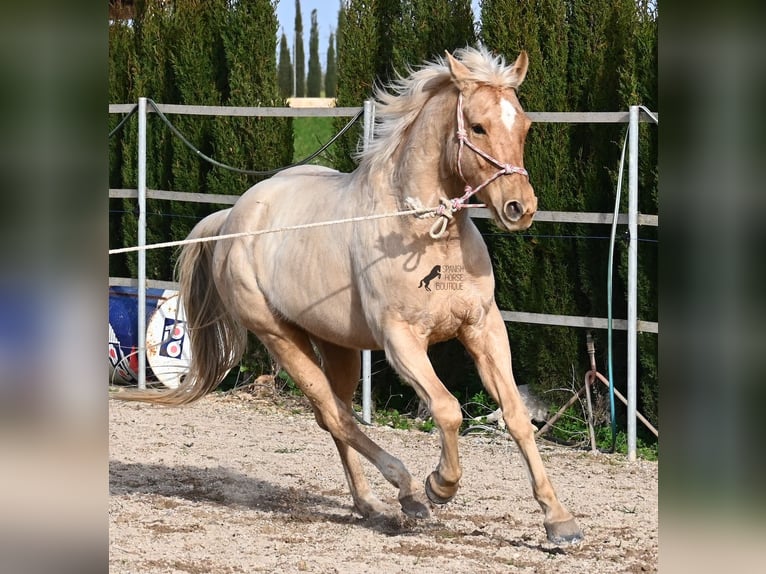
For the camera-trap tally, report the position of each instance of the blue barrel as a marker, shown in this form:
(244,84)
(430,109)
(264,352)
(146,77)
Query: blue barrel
(123,331)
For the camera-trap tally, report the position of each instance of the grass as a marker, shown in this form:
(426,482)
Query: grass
(570,428)
(309,134)
(402,421)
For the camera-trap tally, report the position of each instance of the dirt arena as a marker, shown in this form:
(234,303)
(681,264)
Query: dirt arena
(243,484)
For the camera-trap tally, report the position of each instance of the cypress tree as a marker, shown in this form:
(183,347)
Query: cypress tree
(200,76)
(357,52)
(439,25)
(531,271)
(261,143)
(121,60)
(584,56)
(414,31)
(379,39)
(248,36)
(393,20)
(300,55)
(637,84)
(196,53)
(314,79)
(331,73)
(596,46)
(151,77)
(285,69)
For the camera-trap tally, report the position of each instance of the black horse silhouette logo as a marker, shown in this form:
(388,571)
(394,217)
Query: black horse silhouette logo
(435,273)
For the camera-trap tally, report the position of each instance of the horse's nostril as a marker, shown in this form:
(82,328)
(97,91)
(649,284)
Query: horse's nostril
(513,210)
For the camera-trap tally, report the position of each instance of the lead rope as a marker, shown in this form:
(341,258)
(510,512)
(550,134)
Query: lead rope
(443,211)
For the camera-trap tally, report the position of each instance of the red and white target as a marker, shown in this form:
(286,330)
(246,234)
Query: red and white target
(168,349)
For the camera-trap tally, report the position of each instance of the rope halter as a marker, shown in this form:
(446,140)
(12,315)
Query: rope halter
(462,137)
(447,207)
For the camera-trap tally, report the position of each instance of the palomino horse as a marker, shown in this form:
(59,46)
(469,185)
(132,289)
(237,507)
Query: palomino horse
(315,296)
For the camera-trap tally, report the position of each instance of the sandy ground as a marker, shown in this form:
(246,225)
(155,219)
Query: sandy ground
(245,484)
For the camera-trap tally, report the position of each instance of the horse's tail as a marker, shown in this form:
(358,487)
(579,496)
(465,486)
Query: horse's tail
(217,340)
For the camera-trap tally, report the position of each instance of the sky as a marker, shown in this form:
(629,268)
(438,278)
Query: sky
(327,22)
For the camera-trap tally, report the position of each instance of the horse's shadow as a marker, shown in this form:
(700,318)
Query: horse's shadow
(226,487)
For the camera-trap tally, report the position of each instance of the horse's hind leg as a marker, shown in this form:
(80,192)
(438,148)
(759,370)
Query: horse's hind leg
(488,344)
(342,367)
(292,348)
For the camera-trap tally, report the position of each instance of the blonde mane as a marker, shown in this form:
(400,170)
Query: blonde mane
(398,104)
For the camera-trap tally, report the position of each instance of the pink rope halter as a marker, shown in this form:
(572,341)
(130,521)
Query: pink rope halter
(447,207)
(503,168)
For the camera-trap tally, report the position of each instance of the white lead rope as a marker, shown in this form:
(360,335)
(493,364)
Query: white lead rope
(416,212)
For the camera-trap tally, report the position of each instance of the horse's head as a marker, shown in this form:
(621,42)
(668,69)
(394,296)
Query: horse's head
(491,129)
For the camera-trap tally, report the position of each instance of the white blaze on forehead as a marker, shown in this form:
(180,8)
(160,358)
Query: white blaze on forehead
(507,113)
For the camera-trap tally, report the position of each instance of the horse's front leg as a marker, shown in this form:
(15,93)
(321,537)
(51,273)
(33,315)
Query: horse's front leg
(408,355)
(489,346)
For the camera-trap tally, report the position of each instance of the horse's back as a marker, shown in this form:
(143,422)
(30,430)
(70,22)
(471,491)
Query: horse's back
(305,272)
(307,170)
(298,195)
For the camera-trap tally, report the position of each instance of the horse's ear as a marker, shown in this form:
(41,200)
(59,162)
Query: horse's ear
(459,71)
(519,68)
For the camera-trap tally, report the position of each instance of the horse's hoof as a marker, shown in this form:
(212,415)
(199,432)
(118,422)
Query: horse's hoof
(371,509)
(433,497)
(566,532)
(414,508)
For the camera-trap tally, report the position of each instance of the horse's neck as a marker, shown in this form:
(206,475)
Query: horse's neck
(423,170)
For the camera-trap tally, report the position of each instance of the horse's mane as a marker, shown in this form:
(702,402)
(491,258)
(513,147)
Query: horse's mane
(398,104)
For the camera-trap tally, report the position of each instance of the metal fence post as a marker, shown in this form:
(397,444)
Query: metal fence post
(369,120)
(141,242)
(632,277)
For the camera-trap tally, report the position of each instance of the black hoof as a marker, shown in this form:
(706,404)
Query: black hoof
(433,497)
(414,508)
(564,532)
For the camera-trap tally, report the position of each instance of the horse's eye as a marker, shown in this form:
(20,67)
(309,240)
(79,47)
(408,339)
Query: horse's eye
(478,129)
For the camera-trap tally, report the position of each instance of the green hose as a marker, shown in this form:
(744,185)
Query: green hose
(610,267)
